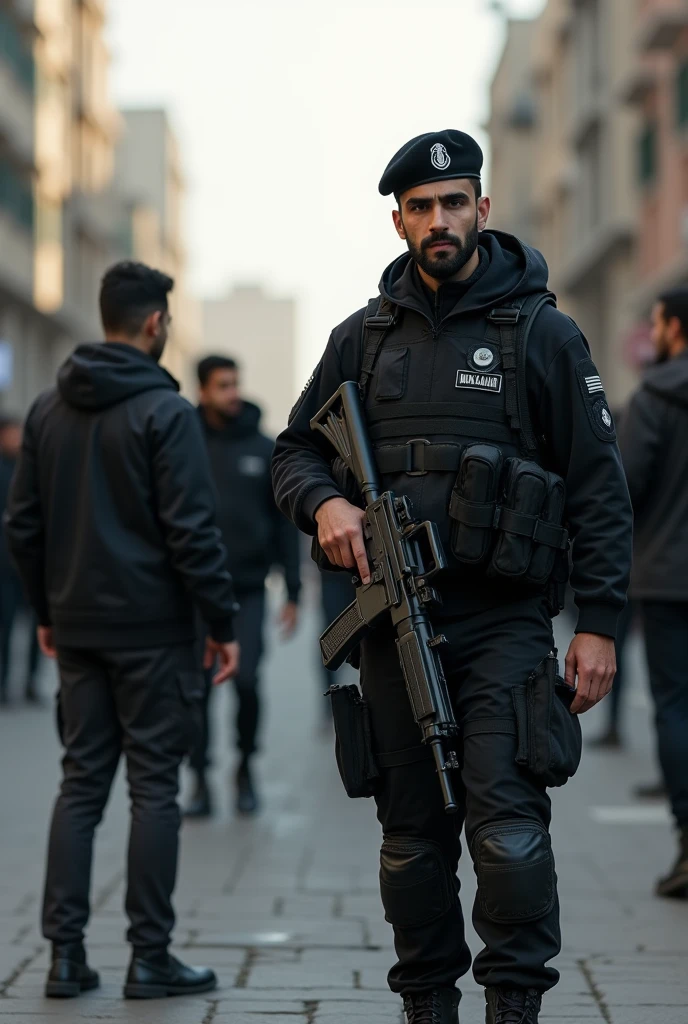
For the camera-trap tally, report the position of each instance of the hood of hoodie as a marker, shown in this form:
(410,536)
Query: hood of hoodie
(670,379)
(514,270)
(97,376)
(244,425)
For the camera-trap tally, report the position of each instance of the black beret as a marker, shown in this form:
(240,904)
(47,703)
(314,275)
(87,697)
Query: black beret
(434,156)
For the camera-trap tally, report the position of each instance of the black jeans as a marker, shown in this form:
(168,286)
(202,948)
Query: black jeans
(143,704)
(11,604)
(666,642)
(248,623)
(505,810)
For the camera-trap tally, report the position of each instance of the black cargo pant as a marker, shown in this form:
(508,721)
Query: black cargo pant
(248,624)
(666,641)
(140,703)
(505,811)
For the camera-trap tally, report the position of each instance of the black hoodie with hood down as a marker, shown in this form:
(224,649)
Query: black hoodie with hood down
(653,438)
(255,533)
(575,444)
(111,516)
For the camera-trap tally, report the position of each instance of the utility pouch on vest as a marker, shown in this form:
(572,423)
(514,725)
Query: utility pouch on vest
(529,523)
(549,737)
(473,503)
(353,745)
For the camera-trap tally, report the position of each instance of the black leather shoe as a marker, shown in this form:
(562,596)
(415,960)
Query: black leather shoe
(164,975)
(247,798)
(675,884)
(200,805)
(512,1005)
(69,973)
(440,1006)
(650,791)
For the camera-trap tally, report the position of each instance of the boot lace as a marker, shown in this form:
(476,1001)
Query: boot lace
(423,1008)
(517,1007)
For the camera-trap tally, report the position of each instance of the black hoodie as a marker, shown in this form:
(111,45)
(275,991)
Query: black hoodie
(110,518)
(574,443)
(255,534)
(653,440)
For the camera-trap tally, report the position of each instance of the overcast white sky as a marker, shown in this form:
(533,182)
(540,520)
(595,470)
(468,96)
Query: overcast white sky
(287,114)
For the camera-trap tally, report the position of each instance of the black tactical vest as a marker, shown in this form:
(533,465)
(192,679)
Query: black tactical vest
(429,394)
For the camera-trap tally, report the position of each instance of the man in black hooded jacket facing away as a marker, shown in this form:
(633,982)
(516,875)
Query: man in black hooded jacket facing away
(479,422)
(111,523)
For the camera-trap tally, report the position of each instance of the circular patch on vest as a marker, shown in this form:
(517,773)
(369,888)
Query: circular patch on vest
(481,357)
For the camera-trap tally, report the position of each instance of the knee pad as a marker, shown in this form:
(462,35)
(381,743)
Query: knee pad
(416,883)
(515,869)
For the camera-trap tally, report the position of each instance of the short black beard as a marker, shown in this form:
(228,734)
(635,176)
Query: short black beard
(443,266)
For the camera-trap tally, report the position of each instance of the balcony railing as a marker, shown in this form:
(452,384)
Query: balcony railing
(662,24)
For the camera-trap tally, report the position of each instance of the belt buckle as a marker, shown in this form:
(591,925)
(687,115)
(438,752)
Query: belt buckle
(415,456)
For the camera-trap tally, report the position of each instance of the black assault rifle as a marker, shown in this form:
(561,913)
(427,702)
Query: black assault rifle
(404,556)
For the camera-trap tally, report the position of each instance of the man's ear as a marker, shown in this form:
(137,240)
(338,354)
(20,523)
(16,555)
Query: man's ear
(483,212)
(399,224)
(151,325)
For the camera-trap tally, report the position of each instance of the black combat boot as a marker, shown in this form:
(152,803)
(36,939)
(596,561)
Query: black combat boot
(247,798)
(512,1005)
(200,805)
(438,1007)
(675,884)
(156,975)
(69,973)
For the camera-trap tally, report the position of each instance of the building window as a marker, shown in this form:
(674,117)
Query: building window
(16,51)
(647,154)
(682,95)
(16,196)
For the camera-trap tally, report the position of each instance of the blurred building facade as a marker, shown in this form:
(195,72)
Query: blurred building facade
(259,331)
(148,173)
(607,151)
(81,186)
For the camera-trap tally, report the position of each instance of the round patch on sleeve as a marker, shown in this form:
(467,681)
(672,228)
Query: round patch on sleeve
(603,418)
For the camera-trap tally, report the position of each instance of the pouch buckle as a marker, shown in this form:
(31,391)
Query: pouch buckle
(415,456)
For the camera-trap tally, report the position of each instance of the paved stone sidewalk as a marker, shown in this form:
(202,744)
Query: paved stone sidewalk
(286,907)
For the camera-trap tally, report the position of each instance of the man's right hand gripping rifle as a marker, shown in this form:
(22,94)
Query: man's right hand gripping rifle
(395,557)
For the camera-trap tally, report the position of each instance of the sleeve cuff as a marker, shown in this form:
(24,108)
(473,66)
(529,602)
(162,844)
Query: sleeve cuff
(598,618)
(317,497)
(293,594)
(222,632)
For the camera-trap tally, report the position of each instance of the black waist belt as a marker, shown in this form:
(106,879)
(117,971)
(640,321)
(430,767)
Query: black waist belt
(418,457)
(491,515)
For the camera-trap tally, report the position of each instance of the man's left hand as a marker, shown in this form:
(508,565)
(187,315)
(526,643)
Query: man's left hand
(592,661)
(46,641)
(289,619)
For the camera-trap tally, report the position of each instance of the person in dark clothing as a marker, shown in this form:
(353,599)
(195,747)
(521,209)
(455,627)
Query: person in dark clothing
(439,363)
(11,598)
(110,522)
(257,537)
(653,446)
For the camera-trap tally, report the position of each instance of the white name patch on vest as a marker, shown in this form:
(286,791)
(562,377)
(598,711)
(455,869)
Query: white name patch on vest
(479,381)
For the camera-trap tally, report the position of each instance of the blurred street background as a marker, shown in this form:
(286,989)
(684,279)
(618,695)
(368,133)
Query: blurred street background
(239,150)
(286,906)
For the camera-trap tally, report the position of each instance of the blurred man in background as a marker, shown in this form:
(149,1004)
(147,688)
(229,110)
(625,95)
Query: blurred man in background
(111,524)
(655,455)
(257,537)
(11,597)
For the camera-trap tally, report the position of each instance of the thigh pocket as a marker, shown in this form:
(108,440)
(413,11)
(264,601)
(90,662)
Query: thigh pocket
(515,869)
(415,882)
(191,690)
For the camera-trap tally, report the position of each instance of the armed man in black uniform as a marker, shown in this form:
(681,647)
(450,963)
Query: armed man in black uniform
(487,412)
